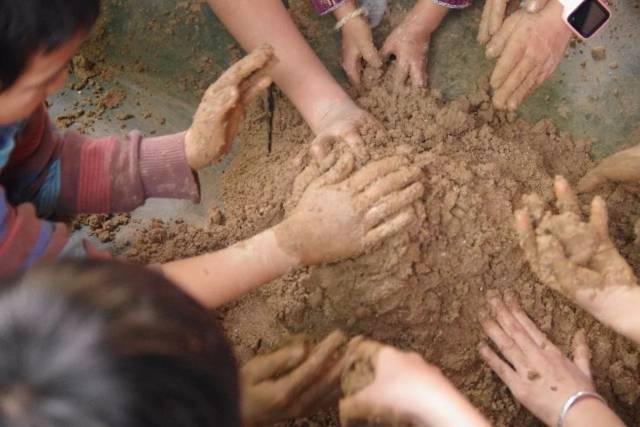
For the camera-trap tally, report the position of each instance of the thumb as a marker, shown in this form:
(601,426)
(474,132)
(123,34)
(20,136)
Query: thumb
(272,365)
(535,6)
(591,180)
(321,146)
(371,55)
(581,352)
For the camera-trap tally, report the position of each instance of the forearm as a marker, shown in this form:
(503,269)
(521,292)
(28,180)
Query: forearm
(299,73)
(220,277)
(591,412)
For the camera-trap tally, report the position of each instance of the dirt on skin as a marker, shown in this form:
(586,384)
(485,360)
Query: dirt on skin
(421,290)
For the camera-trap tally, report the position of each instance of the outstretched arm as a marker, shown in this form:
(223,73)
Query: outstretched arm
(339,215)
(300,73)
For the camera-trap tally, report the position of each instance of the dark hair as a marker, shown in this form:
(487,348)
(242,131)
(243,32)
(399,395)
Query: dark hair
(89,343)
(27,26)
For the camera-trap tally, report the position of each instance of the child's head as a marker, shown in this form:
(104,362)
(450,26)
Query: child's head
(37,40)
(88,344)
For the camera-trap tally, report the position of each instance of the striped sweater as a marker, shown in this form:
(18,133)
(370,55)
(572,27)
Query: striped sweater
(45,175)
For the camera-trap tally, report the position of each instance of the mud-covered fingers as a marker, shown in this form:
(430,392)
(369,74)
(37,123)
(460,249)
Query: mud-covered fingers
(524,90)
(352,65)
(401,71)
(376,170)
(303,181)
(343,167)
(500,40)
(354,410)
(356,145)
(272,365)
(370,54)
(515,78)
(567,201)
(389,205)
(321,146)
(483,31)
(512,327)
(558,272)
(260,58)
(253,87)
(322,393)
(496,18)
(581,352)
(506,344)
(418,72)
(497,365)
(511,300)
(316,364)
(395,181)
(390,228)
(527,237)
(599,218)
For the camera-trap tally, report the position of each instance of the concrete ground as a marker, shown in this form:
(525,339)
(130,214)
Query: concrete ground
(181,43)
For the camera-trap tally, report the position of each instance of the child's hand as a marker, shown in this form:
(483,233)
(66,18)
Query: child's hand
(342,214)
(577,258)
(620,167)
(409,45)
(357,45)
(384,385)
(537,373)
(529,47)
(291,382)
(217,119)
(409,42)
(492,18)
(344,121)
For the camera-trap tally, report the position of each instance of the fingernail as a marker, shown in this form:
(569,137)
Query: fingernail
(483,314)
(492,295)
(532,7)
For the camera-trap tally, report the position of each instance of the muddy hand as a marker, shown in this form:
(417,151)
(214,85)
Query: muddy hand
(343,121)
(529,47)
(537,373)
(294,381)
(620,167)
(410,49)
(342,214)
(371,384)
(492,19)
(219,114)
(357,45)
(574,257)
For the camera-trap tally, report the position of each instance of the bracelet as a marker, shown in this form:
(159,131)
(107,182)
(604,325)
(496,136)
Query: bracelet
(575,399)
(361,11)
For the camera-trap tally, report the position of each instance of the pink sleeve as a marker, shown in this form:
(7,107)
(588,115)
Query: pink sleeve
(111,175)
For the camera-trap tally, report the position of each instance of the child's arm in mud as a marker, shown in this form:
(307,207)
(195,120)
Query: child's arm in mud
(357,42)
(340,215)
(579,260)
(300,74)
(409,42)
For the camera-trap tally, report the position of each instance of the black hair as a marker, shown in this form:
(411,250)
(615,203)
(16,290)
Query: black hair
(108,344)
(27,26)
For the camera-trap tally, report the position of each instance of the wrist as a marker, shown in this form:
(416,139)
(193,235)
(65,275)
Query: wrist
(584,412)
(615,306)
(325,111)
(344,9)
(424,19)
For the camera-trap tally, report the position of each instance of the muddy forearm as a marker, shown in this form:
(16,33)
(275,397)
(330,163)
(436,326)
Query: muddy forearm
(219,277)
(299,72)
